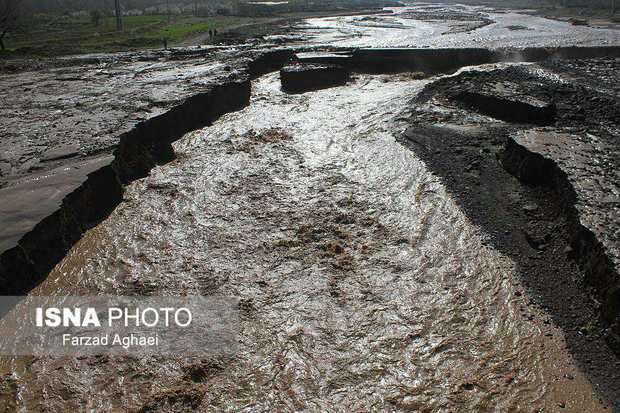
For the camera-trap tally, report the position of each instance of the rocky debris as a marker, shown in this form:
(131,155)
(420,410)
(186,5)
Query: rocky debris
(299,78)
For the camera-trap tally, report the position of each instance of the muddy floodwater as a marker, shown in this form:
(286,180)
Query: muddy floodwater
(363,285)
(429,25)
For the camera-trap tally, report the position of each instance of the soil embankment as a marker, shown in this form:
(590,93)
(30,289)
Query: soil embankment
(44,229)
(26,260)
(550,208)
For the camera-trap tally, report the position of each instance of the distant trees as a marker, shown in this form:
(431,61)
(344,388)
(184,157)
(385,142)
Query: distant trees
(37,8)
(9,17)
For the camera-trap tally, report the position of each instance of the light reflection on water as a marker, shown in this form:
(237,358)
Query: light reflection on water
(364,285)
(453,26)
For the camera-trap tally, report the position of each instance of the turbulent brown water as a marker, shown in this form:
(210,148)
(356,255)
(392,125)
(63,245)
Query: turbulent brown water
(364,286)
(431,25)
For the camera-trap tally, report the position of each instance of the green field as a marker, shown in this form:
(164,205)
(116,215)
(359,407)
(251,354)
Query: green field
(53,35)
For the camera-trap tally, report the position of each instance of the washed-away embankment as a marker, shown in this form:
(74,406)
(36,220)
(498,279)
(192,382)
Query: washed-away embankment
(567,168)
(139,150)
(149,144)
(539,158)
(534,168)
(432,61)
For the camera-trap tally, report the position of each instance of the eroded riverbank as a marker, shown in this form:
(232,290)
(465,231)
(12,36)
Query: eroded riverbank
(364,285)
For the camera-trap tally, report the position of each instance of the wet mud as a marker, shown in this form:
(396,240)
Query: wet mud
(531,202)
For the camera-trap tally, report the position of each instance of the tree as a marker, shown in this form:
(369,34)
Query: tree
(119,15)
(95,17)
(9,17)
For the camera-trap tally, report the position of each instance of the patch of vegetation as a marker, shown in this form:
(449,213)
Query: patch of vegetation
(54,35)
(186,28)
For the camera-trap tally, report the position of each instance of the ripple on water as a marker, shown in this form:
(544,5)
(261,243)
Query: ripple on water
(364,286)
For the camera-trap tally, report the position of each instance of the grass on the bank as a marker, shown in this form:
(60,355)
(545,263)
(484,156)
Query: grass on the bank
(48,35)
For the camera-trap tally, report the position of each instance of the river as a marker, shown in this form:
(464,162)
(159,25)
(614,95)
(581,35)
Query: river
(365,287)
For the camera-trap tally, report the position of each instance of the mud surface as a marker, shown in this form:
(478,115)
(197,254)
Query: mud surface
(80,111)
(546,224)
